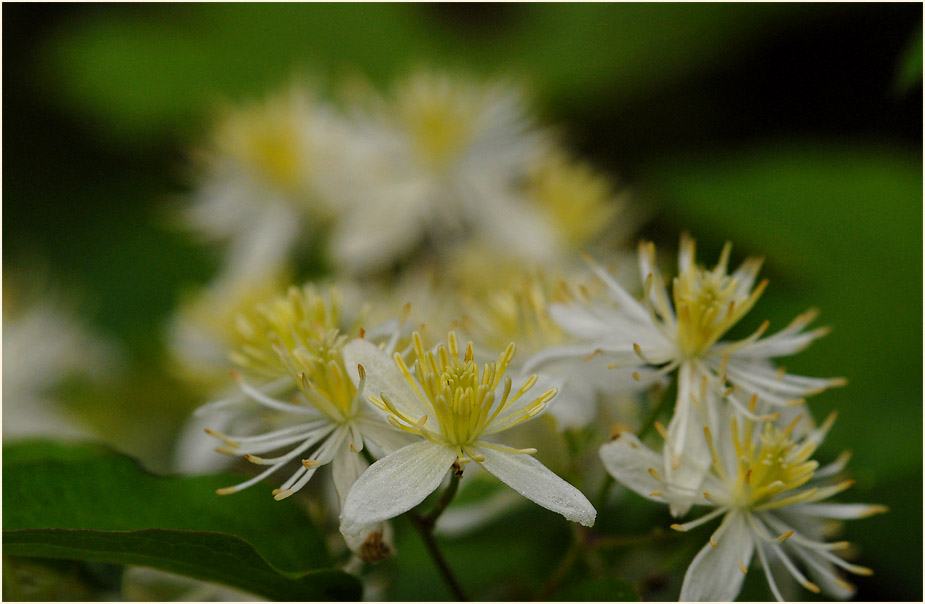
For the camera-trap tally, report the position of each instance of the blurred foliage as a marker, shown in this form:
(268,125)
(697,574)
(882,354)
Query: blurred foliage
(909,73)
(111,510)
(772,126)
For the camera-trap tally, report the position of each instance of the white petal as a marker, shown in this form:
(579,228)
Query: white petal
(383,436)
(579,321)
(375,234)
(714,574)
(687,454)
(393,485)
(537,483)
(382,376)
(629,461)
(841,511)
(346,467)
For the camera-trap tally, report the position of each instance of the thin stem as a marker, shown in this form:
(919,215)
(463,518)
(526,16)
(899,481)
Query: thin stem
(601,498)
(445,498)
(565,565)
(647,425)
(424,524)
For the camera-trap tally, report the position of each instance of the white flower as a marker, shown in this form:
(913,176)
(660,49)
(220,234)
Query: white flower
(328,421)
(771,497)
(272,170)
(683,333)
(443,162)
(453,407)
(45,342)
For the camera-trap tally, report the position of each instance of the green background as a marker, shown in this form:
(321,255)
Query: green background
(795,131)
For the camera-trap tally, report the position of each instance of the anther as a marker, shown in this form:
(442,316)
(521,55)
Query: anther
(283,494)
(309,463)
(593,354)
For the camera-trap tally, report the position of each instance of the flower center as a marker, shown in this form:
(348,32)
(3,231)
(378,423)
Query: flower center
(460,396)
(518,313)
(708,304)
(462,399)
(772,465)
(317,365)
(267,140)
(284,322)
(440,118)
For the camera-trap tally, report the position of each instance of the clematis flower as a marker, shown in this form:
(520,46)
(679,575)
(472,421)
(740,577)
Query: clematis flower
(327,422)
(682,333)
(771,496)
(454,407)
(448,155)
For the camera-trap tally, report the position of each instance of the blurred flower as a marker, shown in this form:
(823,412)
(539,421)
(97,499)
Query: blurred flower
(273,172)
(452,407)
(448,157)
(769,493)
(581,202)
(649,333)
(207,326)
(44,343)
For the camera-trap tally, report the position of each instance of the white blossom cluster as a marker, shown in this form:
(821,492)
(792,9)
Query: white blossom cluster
(457,310)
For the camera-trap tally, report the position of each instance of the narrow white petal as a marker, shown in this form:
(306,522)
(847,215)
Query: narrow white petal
(687,454)
(714,574)
(382,376)
(579,321)
(537,483)
(841,511)
(346,467)
(393,485)
(629,461)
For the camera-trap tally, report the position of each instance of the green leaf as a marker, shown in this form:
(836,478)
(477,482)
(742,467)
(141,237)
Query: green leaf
(84,502)
(604,589)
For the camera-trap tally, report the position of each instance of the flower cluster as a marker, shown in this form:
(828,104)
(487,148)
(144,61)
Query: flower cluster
(446,209)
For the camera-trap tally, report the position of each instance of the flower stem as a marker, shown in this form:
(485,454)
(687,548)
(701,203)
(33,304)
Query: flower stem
(647,425)
(424,524)
(565,565)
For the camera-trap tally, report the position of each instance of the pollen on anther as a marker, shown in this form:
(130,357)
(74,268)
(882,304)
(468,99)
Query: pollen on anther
(742,568)
(308,463)
(283,494)
(785,536)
